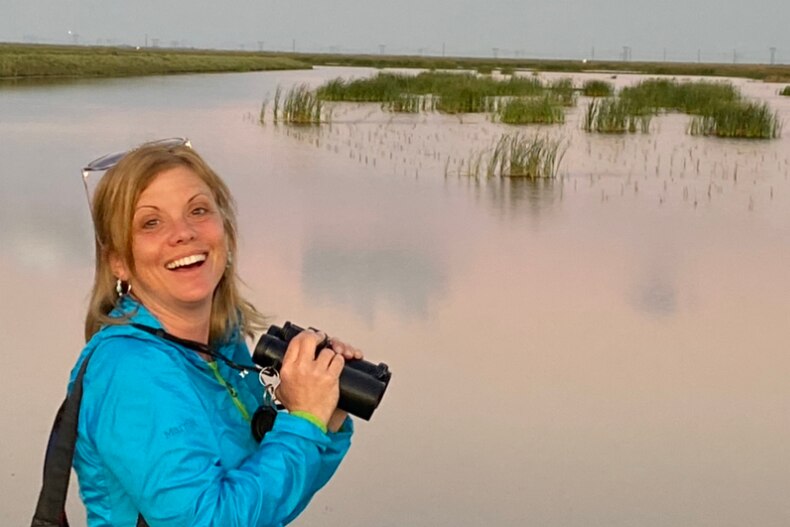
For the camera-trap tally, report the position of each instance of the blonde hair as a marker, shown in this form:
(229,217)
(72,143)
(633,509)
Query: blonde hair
(113,210)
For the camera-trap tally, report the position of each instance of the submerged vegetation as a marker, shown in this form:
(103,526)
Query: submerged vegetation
(749,120)
(406,103)
(597,88)
(531,110)
(563,91)
(517,156)
(299,106)
(449,92)
(615,116)
(718,109)
(694,98)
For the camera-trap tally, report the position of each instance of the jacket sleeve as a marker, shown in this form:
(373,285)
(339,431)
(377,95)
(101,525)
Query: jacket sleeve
(153,433)
(331,457)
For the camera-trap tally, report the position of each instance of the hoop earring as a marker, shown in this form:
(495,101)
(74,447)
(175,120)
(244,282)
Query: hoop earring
(122,288)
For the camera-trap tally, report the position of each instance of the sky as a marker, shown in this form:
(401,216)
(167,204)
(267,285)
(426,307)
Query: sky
(686,30)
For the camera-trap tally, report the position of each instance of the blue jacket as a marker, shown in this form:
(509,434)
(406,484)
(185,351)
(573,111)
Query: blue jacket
(159,435)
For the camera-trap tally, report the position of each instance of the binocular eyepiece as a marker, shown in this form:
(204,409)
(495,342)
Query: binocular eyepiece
(362,383)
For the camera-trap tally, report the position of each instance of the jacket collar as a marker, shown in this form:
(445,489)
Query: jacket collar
(135,312)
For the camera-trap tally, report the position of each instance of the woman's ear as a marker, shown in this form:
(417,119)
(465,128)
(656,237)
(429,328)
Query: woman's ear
(118,267)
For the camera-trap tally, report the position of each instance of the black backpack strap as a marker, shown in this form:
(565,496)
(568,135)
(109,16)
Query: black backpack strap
(50,511)
(51,507)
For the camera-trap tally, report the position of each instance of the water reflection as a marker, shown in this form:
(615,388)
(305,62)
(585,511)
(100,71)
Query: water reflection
(44,238)
(655,295)
(366,279)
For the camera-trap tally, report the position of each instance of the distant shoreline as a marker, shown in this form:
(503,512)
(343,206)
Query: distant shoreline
(40,61)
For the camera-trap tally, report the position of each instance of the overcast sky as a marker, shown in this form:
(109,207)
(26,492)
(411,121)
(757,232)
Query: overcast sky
(719,30)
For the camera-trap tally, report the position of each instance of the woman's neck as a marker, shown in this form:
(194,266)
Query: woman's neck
(189,322)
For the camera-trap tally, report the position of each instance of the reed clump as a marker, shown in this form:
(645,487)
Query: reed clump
(615,115)
(696,98)
(563,91)
(531,110)
(597,88)
(406,103)
(464,99)
(747,120)
(785,91)
(449,92)
(519,155)
(380,88)
(299,106)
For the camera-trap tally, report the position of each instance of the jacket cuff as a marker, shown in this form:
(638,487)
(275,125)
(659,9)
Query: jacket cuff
(301,427)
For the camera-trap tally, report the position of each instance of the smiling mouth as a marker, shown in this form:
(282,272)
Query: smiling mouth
(188,262)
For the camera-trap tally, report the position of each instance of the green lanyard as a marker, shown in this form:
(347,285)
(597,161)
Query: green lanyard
(231,390)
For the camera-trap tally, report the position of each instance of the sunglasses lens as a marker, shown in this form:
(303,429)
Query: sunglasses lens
(104,162)
(171,143)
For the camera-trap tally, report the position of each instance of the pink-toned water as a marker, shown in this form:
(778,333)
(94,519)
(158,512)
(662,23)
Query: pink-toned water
(602,349)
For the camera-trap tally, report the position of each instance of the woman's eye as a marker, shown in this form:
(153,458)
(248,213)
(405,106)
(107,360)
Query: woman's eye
(199,211)
(151,223)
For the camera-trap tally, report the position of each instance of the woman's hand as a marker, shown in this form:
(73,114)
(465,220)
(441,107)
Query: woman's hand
(309,383)
(349,353)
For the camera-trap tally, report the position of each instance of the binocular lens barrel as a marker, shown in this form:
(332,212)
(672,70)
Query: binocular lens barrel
(362,383)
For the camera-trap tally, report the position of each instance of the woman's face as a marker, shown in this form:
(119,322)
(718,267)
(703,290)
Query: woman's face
(178,245)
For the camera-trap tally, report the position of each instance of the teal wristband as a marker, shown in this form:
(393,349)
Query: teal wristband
(310,417)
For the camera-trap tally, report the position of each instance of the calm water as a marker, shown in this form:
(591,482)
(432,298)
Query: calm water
(604,349)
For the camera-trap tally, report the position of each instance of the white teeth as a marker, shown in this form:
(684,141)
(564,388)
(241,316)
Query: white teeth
(187,260)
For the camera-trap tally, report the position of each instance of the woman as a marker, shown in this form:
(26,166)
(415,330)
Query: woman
(164,429)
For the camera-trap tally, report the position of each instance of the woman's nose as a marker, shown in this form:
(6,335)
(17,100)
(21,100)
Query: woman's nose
(182,232)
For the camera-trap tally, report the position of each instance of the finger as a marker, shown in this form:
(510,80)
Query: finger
(356,353)
(325,357)
(278,393)
(349,352)
(301,348)
(307,345)
(336,365)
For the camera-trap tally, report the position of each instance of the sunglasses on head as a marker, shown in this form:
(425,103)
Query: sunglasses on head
(106,162)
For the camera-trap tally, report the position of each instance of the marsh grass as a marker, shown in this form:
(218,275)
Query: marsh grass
(785,91)
(383,87)
(564,91)
(449,92)
(695,98)
(615,116)
(748,120)
(597,88)
(717,108)
(38,60)
(45,61)
(299,106)
(262,114)
(531,110)
(471,166)
(464,99)
(406,103)
(519,155)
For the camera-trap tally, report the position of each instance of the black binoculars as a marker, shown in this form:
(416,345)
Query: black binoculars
(362,383)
